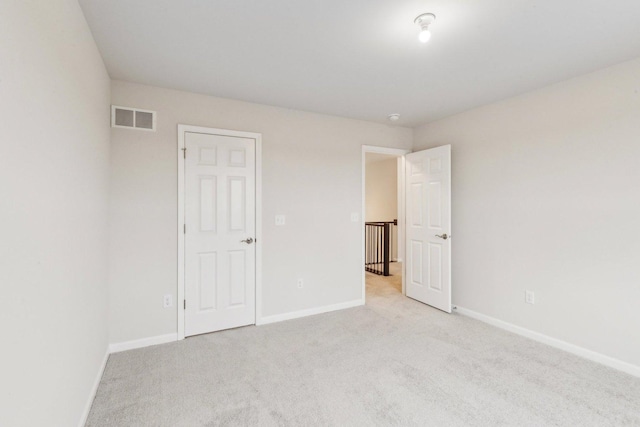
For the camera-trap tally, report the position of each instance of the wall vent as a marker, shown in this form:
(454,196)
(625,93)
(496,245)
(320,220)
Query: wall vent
(132,118)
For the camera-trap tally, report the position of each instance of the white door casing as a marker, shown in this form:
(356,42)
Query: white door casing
(428,226)
(219,216)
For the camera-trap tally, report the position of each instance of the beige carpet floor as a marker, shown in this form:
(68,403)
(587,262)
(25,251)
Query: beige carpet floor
(393,362)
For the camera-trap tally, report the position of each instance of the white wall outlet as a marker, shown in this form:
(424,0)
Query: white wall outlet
(300,283)
(281,219)
(168,301)
(529,297)
(355,217)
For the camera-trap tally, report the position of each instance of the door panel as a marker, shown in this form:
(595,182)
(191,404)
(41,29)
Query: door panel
(219,214)
(208,203)
(415,260)
(428,184)
(237,278)
(237,203)
(207,281)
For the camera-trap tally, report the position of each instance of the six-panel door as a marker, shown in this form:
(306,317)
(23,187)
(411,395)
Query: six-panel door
(219,219)
(428,227)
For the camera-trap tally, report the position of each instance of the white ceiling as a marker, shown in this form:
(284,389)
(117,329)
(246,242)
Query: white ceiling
(361,58)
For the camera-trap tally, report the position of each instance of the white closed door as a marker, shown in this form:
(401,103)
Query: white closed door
(219,231)
(428,227)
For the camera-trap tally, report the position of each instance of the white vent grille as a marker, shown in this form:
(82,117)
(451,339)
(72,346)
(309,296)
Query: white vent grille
(132,118)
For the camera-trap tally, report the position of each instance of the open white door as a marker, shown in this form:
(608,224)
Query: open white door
(220,226)
(428,227)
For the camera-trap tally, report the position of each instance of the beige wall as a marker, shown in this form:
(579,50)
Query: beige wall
(546,197)
(381,195)
(54,158)
(311,173)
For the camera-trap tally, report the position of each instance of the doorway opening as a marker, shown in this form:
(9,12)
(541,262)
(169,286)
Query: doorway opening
(383,213)
(424,225)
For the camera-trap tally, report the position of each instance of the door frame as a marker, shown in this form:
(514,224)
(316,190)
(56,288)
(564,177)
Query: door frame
(399,153)
(182,129)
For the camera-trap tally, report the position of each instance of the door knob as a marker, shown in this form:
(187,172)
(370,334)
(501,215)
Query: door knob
(443,236)
(248,241)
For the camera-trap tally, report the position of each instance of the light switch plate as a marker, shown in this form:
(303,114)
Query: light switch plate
(355,217)
(529,297)
(280,220)
(167,301)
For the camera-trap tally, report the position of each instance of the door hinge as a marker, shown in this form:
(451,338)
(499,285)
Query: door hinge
(184,303)
(184,229)
(184,153)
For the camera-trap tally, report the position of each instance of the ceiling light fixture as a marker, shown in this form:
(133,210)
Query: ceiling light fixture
(423,22)
(394,117)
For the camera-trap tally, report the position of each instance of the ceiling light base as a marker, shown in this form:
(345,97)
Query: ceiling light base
(425,19)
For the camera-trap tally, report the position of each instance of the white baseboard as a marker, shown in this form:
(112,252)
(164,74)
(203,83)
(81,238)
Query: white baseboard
(554,342)
(309,312)
(144,342)
(94,390)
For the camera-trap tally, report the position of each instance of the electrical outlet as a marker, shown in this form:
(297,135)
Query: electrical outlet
(168,301)
(355,217)
(300,283)
(280,219)
(529,297)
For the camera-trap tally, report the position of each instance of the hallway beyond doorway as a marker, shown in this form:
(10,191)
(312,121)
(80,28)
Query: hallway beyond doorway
(384,286)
